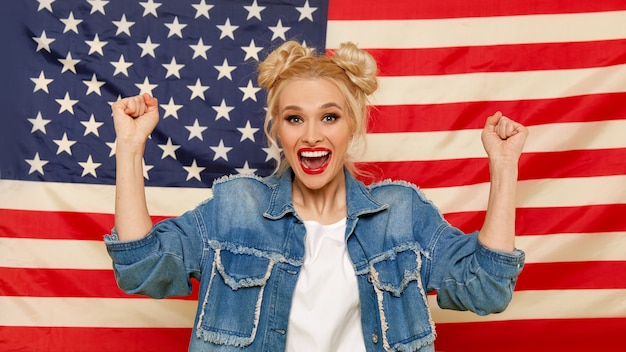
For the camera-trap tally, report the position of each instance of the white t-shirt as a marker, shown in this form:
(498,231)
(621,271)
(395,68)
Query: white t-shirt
(325,312)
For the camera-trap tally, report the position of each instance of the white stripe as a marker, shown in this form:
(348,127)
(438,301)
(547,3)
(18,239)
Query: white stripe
(573,247)
(97,312)
(463,144)
(497,30)
(547,304)
(499,86)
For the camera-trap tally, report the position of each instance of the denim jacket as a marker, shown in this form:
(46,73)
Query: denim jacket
(246,246)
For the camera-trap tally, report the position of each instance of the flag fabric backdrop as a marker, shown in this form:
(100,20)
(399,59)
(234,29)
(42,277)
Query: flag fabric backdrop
(558,67)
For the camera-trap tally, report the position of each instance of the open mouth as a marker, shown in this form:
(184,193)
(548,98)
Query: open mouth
(314,161)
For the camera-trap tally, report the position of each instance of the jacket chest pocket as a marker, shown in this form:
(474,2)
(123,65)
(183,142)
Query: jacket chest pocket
(402,301)
(232,305)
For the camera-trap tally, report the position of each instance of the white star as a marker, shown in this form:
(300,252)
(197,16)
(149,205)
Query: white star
(43,42)
(279,31)
(45,4)
(39,123)
(197,90)
(36,164)
(227,29)
(121,66)
(195,130)
(169,149)
(112,145)
(193,171)
(71,24)
(252,51)
(146,168)
(123,26)
(246,170)
(147,48)
(41,82)
(249,91)
(225,70)
(247,132)
(92,126)
(150,7)
(221,151)
(171,109)
(64,144)
(202,9)
(66,103)
(223,110)
(97,6)
(175,28)
(272,153)
(145,87)
(254,10)
(69,63)
(95,45)
(93,86)
(306,11)
(89,167)
(173,68)
(200,49)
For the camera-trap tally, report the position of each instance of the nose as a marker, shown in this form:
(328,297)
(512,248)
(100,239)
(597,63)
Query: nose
(312,133)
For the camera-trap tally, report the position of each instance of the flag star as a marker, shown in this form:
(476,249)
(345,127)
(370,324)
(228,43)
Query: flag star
(91,126)
(175,27)
(150,7)
(97,6)
(200,49)
(89,167)
(195,130)
(193,171)
(173,68)
(69,63)
(279,31)
(252,51)
(246,170)
(65,145)
(41,82)
(202,9)
(197,90)
(225,70)
(272,153)
(45,4)
(43,42)
(95,45)
(146,168)
(66,103)
(93,86)
(227,30)
(306,11)
(169,149)
(145,87)
(171,109)
(223,110)
(71,24)
(254,10)
(147,48)
(36,164)
(221,151)
(247,132)
(249,91)
(123,26)
(39,123)
(111,146)
(121,66)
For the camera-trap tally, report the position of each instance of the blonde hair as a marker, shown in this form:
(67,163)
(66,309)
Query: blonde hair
(351,69)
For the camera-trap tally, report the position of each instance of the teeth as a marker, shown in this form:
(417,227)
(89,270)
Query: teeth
(316,154)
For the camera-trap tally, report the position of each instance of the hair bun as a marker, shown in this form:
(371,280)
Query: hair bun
(359,65)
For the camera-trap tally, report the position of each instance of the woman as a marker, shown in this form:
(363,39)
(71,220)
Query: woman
(310,258)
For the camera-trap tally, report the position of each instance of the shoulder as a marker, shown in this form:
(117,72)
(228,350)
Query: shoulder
(248,184)
(399,190)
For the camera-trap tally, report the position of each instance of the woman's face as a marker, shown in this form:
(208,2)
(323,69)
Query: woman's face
(314,131)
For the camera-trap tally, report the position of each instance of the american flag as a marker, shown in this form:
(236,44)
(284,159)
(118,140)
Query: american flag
(558,67)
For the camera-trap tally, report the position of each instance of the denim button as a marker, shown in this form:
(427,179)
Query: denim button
(374,338)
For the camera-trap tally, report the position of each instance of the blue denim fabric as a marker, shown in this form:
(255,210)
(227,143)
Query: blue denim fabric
(246,246)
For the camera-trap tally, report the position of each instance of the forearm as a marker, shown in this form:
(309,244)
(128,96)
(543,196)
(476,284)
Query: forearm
(498,231)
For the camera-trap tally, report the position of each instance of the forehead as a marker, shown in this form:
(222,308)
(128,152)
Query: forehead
(306,92)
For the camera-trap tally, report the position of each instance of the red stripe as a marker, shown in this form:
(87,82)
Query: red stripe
(411,9)
(472,115)
(572,275)
(539,335)
(34,339)
(543,221)
(67,283)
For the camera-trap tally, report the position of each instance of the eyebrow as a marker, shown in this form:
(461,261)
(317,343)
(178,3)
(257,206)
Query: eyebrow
(323,106)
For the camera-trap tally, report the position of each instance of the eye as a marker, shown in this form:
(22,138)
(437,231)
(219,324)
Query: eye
(295,119)
(330,117)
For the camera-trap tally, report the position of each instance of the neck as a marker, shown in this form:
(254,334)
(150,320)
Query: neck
(326,205)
